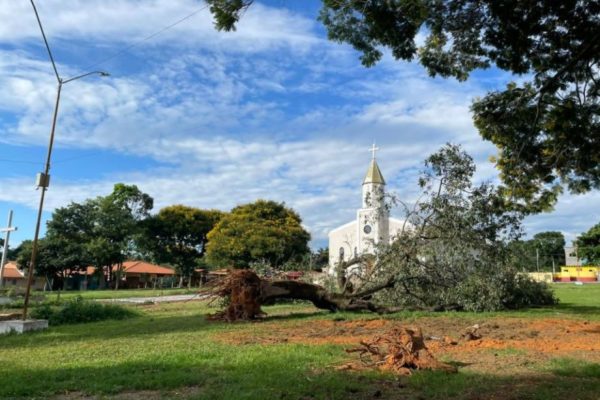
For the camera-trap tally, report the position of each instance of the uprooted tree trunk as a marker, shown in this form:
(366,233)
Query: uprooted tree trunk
(247,293)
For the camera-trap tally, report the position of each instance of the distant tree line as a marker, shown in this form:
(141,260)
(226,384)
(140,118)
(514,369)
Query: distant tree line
(588,246)
(544,252)
(105,231)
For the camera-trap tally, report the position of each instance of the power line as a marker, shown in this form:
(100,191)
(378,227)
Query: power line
(134,44)
(45,40)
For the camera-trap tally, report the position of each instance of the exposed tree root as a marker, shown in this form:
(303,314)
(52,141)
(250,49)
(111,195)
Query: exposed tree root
(242,288)
(400,350)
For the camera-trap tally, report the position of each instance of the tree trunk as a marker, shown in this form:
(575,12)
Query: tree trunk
(247,293)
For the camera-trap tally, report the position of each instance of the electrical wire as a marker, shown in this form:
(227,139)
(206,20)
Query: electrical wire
(134,44)
(37,16)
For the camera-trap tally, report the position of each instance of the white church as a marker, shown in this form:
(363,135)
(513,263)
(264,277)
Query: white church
(372,225)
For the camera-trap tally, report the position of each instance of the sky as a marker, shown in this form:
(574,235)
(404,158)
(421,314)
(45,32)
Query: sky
(215,119)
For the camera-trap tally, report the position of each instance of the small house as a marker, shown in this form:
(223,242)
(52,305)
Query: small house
(13,277)
(578,274)
(142,274)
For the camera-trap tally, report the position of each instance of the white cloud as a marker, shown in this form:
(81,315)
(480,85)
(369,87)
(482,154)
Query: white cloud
(221,111)
(107,22)
(573,215)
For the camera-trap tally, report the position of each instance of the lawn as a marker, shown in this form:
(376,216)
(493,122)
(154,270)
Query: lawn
(119,294)
(40,297)
(172,351)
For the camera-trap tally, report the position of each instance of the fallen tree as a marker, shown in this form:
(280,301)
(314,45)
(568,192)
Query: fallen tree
(247,292)
(452,254)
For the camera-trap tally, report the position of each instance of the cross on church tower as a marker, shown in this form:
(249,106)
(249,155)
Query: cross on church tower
(373,149)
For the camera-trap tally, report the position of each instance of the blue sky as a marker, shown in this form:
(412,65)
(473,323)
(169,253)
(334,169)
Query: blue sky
(211,120)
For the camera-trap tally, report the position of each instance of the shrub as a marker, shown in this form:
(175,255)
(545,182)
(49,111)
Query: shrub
(78,310)
(488,290)
(521,291)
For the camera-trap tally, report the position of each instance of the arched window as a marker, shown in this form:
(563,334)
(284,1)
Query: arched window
(355,252)
(341,254)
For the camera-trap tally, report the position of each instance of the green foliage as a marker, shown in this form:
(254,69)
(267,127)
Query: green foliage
(227,12)
(588,244)
(545,249)
(177,235)
(78,311)
(499,290)
(545,129)
(551,247)
(96,232)
(11,254)
(260,231)
(455,255)
(320,259)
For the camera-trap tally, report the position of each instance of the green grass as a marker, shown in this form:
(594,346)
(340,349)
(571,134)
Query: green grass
(39,297)
(173,351)
(574,368)
(578,297)
(120,294)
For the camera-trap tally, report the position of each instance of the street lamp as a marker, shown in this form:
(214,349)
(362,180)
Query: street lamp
(43,178)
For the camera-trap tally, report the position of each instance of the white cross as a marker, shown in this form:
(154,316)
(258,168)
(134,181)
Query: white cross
(7,232)
(373,149)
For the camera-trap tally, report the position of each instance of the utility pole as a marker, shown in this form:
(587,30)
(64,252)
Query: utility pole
(43,178)
(9,228)
(537,259)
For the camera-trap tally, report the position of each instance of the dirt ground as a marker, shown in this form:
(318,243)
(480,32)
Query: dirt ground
(518,343)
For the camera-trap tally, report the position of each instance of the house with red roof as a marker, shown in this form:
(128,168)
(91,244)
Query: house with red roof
(12,276)
(133,274)
(142,274)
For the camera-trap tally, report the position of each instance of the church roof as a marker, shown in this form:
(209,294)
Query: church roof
(374,174)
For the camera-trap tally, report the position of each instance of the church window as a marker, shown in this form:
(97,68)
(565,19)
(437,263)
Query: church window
(367,229)
(355,252)
(341,254)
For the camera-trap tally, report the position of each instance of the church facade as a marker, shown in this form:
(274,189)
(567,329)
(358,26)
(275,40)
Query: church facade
(373,224)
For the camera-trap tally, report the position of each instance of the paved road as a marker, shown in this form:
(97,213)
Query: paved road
(156,299)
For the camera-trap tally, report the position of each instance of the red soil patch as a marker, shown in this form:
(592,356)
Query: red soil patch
(519,342)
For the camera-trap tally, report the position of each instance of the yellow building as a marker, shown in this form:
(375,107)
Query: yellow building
(578,274)
(540,276)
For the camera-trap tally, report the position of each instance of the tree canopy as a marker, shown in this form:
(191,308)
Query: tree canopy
(588,245)
(455,253)
(97,232)
(543,252)
(546,127)
(177,235)
(260,231)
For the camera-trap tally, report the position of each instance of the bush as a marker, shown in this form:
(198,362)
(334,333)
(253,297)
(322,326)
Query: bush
(521,291)
(78,311)
(479,291)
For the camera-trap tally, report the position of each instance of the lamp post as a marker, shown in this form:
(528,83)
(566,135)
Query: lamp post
(43,178)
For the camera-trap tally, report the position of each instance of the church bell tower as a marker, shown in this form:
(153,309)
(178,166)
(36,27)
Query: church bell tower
(373,217)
